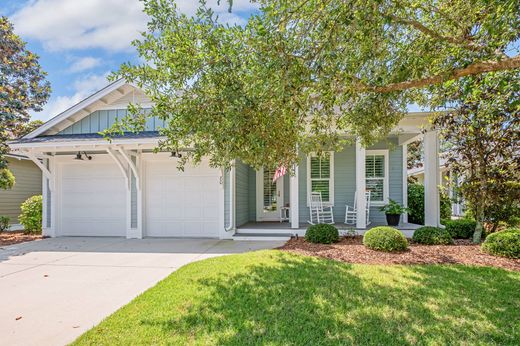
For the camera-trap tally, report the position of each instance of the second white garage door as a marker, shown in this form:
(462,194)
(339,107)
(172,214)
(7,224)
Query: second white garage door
(181,204)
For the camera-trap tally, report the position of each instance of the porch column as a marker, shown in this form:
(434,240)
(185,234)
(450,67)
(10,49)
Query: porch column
(405,180)
(361,216)
(431,179)
(293,198)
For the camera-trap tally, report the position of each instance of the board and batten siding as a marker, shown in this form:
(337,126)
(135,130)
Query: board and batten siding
(104,119)
(345,181)
(28,183)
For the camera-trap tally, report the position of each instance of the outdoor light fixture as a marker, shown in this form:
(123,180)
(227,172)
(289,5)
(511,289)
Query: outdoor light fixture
(176,154)
(79,156)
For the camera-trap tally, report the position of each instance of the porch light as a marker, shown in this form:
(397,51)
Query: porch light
(79,156)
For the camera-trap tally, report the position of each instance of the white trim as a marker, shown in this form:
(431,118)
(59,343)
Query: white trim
(386,180)
(76,108)
(431,179)
(331,179)
(294,196)
(361,215)
(405,180)
(232,196)
(132,166)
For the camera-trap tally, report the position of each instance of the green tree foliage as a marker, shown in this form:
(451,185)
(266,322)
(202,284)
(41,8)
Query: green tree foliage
(301,73)
(22,85)
(483,127)
(416,204)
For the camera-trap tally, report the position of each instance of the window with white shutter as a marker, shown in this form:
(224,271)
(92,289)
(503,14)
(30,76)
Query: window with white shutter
(320,177)
(376,172)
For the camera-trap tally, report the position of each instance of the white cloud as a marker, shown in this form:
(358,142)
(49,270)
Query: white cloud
(82,88)
(84,64)
(107,24)
(64,24)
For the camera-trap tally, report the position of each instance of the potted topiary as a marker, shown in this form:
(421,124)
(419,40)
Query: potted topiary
(393,211)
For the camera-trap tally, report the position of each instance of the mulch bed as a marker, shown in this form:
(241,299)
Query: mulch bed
(10,238)
(352,250)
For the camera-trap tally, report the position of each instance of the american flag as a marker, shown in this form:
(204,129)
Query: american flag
(280,172)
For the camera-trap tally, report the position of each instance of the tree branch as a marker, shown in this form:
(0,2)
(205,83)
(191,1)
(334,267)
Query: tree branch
(471,70)
(465,42)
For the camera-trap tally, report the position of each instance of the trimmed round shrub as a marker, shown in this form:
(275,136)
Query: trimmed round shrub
(385,238)
(428,235)
(322,234)
(461,228)
(31,215)
(504,243)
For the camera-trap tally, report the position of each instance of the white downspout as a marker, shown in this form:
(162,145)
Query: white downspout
(232,191)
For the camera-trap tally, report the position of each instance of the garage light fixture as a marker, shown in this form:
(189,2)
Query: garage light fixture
(176,154)
(79,156)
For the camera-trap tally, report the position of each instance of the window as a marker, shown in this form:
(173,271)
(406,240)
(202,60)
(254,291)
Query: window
(376,172)
(320,176)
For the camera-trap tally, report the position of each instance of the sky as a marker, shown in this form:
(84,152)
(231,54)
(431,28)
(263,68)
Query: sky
(80,42)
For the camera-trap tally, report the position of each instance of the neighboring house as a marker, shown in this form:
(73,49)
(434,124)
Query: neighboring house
(121,188)
(448,181)
(28,183)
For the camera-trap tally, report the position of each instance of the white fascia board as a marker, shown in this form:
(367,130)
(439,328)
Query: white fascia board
(66,145)
(76,108)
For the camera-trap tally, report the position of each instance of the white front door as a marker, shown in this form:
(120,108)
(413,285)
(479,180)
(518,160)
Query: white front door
(269,195)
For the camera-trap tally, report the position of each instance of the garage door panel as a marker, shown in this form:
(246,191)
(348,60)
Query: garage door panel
(181,204)
(93,199)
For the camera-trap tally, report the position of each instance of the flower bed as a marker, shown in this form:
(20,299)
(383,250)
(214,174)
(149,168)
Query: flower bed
(352,250)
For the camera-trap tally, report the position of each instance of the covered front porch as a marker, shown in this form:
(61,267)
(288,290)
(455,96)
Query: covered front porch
(273,229)
(256,204)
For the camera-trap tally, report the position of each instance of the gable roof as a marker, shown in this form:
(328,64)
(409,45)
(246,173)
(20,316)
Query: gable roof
(103,97)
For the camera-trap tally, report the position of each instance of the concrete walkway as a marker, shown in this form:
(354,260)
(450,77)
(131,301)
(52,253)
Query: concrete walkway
(53,290)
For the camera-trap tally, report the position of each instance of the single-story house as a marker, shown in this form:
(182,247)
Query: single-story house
(28,182)
(93,187)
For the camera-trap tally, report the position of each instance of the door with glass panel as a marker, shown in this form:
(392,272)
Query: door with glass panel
(269,195)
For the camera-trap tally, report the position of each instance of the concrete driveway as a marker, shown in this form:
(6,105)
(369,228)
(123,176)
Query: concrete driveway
(53,290)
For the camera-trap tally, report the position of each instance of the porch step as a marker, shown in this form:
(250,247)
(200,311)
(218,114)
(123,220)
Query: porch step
(262,236)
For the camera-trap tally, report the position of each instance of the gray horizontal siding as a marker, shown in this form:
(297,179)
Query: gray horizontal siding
(28,183)
(345,181)
(104,119)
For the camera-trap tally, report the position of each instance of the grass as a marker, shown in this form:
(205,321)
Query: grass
(278,298)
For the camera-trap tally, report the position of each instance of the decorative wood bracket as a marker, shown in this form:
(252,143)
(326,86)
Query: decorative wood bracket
(120,165)
(132,165)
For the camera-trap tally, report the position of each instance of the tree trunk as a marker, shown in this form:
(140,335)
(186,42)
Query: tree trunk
(477,235)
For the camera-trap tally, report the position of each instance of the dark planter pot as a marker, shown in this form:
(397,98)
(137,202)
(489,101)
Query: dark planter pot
(393,219)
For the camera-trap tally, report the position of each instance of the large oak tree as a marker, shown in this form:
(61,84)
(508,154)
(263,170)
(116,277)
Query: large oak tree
(303,72)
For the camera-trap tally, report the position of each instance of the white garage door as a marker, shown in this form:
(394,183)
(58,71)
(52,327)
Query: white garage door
(181,204)
(93,198)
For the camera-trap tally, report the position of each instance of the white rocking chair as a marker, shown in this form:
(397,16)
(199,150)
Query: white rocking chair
(319,213)
(351,212)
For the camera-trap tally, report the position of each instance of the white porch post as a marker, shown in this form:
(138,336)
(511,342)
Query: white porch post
(405,180)
(431,179)
(293,198)
(361,216)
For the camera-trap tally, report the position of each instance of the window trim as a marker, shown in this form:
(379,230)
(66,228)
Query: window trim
(386,179)
(331,179)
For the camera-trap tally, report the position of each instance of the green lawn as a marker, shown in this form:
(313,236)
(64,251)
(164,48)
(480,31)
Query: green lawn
(277,298)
